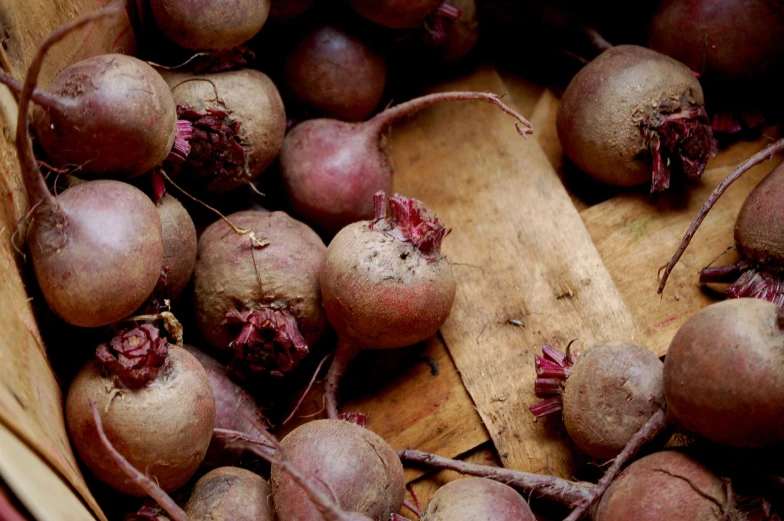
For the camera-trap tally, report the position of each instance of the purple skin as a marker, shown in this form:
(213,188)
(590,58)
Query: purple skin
(400,14)
(179,245)
(474,499)
(332,169)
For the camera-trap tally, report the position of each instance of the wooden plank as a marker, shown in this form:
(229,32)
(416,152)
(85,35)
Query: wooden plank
(519,251)
(636,236)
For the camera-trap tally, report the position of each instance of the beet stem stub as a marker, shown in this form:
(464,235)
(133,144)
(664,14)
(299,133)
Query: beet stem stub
(758,283)
(552,370)
(182,146)
(409,220)
(269,340)
(135,355)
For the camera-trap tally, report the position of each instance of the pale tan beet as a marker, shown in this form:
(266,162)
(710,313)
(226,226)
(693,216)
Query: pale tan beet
(665,485)
(600,116)
(230,493)
(104,263)
(179,244)
(724,373)
(614,388)
(116,118)
(476,499)
(336,73)
(234,276)
(254,118)
(351,464)
(164,427)
(396,14)
(205,25)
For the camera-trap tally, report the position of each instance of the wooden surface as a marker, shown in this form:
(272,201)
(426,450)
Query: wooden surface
(519,251)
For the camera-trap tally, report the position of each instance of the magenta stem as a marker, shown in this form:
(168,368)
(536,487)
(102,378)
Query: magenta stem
(754,160)
(548,487)
(383,120)
(344,354)
(36,187)
(723,273)
(146,484)
(652,428)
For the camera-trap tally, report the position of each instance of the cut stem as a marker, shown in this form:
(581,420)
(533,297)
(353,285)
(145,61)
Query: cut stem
(549,487)
(344,354)
(383,120)
(145,483)
(754,160)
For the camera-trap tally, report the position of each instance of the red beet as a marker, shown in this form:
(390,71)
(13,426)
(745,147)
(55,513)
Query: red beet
(735,46)
(331,169)
(210,25)
(239,123)
(397,14)
(285,10)
(336,73)
(156,404)
(385,283)
(634,115)
(230,493)
(476,499)
(459,35)
(96,262)
(179,244)
(235,410)
(261,302)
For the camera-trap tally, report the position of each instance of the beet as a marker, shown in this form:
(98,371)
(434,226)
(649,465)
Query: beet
(235,410)
(351,464)
(239,123)
(336,73)
(385,283)
(396,14)
(331,169)
(114,117)
(460,35)
(634,115)
(261,302)
(476,499)
(179,244)
(156,404)
(230,493)
(210,25)
(735,46)
(606,395)
(285,10)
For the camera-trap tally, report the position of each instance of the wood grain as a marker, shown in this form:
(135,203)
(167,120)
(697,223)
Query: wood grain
(519,251)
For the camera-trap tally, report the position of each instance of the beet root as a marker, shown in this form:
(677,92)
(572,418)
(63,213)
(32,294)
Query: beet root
(116,118)
(96,262)
(607,394)
(262,302)
(235,410)
(396,14)
(332,169)
(230,493)
(179,245)
(476,499)
(633,115)
(239,124)
(666,485)
(385,283)
(351,464)
(210,25)
(336,73)
(163,425)
(285,10)
(724,374)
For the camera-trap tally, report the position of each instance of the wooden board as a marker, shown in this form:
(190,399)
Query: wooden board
(519,251)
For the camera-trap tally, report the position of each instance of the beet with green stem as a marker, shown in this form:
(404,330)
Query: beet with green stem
(331,169)
(633,115)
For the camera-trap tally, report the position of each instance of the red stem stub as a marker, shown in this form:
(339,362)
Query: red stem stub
(357,418)
(268,340)
(182,142)
(552,370)
(149,511)
(747,281)
(135,355)
(224,60)
(435,29)
(409,220)
(680,138)
(216,151)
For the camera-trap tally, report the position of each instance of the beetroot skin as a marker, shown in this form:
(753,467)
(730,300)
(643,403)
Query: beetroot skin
(476,499)
(210,25)
(157,408)
(336,73)
(115,118)
(262,302)
(351,464)
(713,369)
(230,493)
(239,124)
(179,245)
(396,14)
(633,115)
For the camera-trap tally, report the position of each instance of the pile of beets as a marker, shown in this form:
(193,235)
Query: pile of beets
(211,222)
